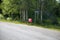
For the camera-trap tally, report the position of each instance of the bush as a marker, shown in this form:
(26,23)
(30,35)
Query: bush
(1,16)
(9,18)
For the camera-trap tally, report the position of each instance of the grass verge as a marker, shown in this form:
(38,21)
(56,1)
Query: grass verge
(52,27)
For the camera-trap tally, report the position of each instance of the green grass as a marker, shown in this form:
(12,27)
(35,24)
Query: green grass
(52,27)
(17,22)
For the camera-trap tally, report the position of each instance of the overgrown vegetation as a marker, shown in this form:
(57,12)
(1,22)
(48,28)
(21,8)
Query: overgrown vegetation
(46,12)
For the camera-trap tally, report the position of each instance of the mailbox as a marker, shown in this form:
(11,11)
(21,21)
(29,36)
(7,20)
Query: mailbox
(30,20)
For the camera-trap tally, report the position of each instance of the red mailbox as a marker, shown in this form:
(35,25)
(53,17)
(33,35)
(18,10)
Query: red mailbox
(30,20)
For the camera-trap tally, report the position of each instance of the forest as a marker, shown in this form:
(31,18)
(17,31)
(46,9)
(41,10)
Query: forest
(42,12)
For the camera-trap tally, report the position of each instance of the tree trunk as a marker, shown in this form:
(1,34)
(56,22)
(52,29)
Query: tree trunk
(26,15)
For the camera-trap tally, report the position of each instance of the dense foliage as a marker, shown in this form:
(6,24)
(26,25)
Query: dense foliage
(46,11)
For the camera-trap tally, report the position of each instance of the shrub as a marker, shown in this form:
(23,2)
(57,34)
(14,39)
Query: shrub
(1,16)
(9,18)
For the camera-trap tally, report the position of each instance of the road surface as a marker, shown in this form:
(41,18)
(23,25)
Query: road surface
(10,31)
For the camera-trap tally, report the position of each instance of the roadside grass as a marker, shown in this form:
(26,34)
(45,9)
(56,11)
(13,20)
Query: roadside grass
(50,26)
(17,22)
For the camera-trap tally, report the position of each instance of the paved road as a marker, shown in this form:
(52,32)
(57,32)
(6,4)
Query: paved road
(10,31)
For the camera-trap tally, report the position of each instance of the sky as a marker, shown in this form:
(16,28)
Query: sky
(58,1)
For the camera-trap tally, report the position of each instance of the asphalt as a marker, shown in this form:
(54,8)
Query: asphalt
(11,31)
